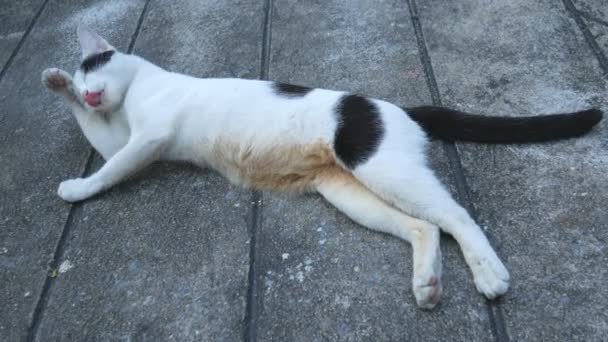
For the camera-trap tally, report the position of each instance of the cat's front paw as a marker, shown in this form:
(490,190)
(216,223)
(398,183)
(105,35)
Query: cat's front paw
(60,82)
(56,80)
(491,276)
(78,189)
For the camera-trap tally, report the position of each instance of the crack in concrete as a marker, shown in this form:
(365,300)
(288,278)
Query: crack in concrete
(593,45)
(61,244)
(592,18)
(251,310)
(495,314)
(9,62)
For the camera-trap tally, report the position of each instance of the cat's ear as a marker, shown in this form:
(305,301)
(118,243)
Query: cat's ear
(91,43)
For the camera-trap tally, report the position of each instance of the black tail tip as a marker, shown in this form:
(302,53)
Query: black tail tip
(591,116)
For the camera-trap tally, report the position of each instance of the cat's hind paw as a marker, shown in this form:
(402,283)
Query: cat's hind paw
(428,293)
(491,276)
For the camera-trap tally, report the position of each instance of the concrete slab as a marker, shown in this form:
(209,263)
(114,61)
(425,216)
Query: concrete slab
(204,39)
(363,48)
(40,145)
(543,203)
(162,257)
(325,278)
(166,256)
(322,277)
(15,17)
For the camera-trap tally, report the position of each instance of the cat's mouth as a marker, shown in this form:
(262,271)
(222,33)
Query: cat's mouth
(92,98)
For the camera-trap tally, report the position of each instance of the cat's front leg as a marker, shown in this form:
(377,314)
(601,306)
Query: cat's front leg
(107,132)
(60,82)
(77,189)
(140,151)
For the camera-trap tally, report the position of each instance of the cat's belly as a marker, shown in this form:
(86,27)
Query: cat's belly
(258,139)
(290,167)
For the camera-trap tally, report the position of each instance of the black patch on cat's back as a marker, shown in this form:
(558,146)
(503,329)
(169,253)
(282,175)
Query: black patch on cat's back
(290,90)
(96,61)
(359,132)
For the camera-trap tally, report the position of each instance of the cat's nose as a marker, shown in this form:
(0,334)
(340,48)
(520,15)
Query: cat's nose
(92,98)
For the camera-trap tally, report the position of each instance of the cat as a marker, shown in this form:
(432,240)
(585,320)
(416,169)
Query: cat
(365,156)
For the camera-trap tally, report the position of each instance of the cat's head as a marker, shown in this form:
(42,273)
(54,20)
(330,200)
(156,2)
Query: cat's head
(104,74)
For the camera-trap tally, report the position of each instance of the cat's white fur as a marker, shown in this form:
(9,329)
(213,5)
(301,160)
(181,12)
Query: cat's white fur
(255,137)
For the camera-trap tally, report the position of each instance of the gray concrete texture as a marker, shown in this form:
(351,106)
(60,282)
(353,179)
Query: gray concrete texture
(177,253)
(17,17)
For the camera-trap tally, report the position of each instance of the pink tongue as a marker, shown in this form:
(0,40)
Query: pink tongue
(93,98)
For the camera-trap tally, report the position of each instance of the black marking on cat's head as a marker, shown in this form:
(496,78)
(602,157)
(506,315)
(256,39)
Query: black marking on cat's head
(96,61)
(360,130)
(290,90)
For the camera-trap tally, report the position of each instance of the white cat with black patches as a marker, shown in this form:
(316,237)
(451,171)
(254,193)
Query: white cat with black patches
(365,156)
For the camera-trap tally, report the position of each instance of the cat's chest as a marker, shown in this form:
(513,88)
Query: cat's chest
(108,133)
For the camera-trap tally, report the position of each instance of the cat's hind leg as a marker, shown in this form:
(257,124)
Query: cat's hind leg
(405,181)
(348,195)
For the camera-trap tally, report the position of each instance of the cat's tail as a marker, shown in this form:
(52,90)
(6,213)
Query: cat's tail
(452,125)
